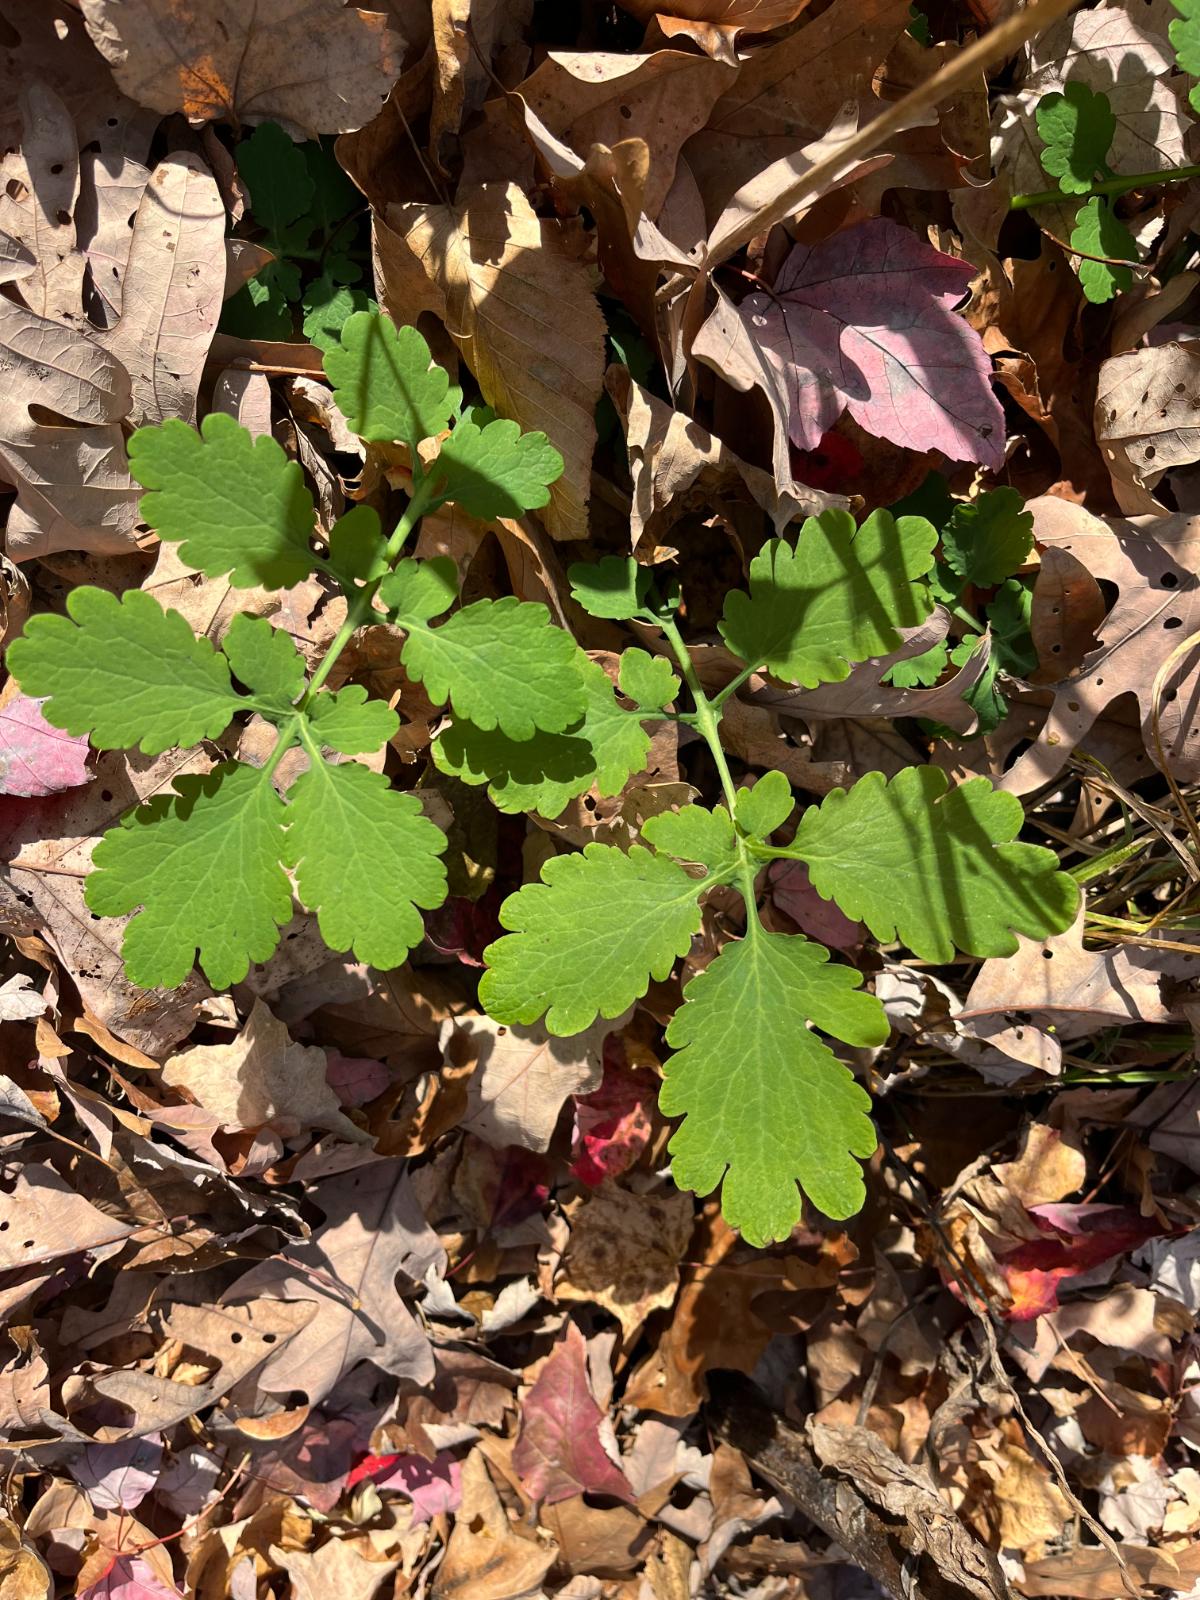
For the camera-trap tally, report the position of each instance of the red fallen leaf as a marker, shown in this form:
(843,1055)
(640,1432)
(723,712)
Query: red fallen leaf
(612,1125)
(1079,1237)
(864,322)
(558,1453)
(36,759)
(832,466)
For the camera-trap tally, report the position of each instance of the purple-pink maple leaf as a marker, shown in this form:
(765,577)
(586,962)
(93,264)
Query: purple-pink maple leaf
(864,322)
(36,759)
(129,1578)
(558,1452)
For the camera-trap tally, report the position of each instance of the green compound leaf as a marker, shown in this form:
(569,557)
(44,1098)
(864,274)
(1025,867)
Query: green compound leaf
(496,471)
(204,866)
(264,659)
(126,673)
(1077,127)
(697,834)
(1010,649)
(420,590)
(647,680)
(764,808)
(235,504)
(588,938)
(259,310)
(501,663)
(615,588)
(357,548)
(936,870)
(766,1104)
(346,721)
(1098,231)
(277,175)
(987,539)
(545,772)
(365,859)
(385,383)
(1185,36)
(840,596)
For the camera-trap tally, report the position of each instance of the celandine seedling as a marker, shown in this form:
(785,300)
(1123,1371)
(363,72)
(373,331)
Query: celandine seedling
(767,1109)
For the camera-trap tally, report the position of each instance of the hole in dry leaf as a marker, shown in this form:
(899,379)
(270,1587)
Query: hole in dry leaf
(268,1338)
(1047,955)
(1150,452)
(1173,622)
(235,1338)
(626,112)
(1170,580)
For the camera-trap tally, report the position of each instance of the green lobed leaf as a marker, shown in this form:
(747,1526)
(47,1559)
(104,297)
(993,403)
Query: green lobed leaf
(1077,127)
(588,938)
(234,504)
(766,1104)
(259,310)
(204,867)
(615,588)
(647,680)
(921,671)
(334,192)
(937,870)
(366,859)
(327,308)
(346,721)
(840,596)
(696,834)
(385,382)
(357,548)
(277,176)
(547,771)
(496,471)
(1098,231)
(1185,37)
(264,659)
(987,539)
(420,590)
(767,806)
(501,663)
(125,672)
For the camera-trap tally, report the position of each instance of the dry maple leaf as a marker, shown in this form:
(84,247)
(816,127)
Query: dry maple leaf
(316,66)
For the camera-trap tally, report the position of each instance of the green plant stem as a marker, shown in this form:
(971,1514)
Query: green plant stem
(707,722)
(1121,185)
(362,604)
(731,688)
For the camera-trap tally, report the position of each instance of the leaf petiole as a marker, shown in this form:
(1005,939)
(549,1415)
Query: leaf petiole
(706,719)
(1120,185)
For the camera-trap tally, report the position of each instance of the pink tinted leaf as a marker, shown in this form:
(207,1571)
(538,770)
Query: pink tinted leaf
(558,1453)
(355,1079)
(36,759)
(129,1578)
(864,322)
(117,1477)
(432,1486)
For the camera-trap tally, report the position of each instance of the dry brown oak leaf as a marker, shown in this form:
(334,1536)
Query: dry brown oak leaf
(1154,563)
